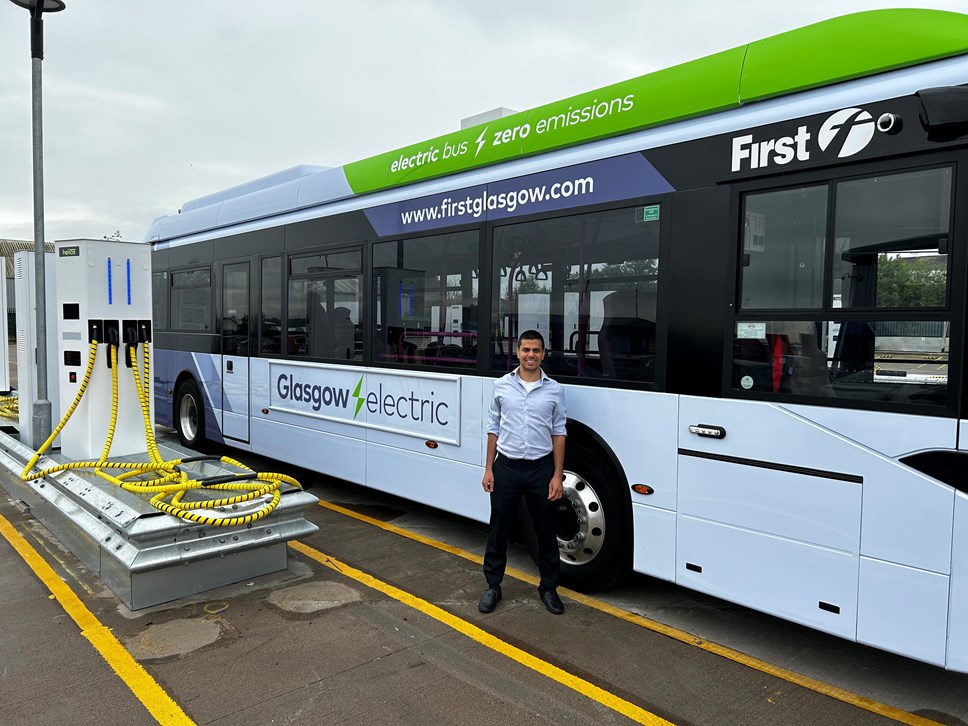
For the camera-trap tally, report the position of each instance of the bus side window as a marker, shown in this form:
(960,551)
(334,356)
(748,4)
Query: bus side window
(344,333)
(627,338)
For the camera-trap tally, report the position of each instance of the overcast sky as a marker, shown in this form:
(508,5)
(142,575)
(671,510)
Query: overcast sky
(151,103)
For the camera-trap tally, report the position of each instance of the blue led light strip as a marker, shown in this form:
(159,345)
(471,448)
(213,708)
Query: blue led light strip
(128,269)
(110,285)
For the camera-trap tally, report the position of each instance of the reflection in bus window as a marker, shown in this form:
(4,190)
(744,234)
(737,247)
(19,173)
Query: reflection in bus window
(588,284)
(426,300)
(324,306)
(887,253)
(159,299)
(891,238)
(874,360)
(191,299)
(783,246)
(270,332)
(235,309)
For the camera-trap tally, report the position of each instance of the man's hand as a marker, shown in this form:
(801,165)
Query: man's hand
(555,488)
(488,481)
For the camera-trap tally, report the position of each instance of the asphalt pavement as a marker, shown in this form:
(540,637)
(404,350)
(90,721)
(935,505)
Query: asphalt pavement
(365,626)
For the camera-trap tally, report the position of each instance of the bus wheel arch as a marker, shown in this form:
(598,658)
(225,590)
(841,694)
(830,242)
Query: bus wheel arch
(188,412)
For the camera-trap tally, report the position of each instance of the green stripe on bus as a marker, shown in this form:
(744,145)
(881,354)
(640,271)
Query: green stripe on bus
(853,46)
(840,49)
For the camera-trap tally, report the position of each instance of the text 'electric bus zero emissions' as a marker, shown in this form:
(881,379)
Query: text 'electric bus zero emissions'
(750,271)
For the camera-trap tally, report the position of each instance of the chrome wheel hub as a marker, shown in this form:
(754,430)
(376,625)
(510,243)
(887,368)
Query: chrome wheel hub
(580,521)
(188,417)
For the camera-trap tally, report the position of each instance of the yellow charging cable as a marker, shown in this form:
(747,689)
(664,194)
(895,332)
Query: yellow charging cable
(167,482)
(10,407)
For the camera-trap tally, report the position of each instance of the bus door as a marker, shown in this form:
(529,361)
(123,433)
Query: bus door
(235,351)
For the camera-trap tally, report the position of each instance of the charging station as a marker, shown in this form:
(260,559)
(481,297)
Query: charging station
(4,360)
(25,300)
(103,296)
(102,494)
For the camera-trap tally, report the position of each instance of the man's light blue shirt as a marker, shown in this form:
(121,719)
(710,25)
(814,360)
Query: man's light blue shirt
(524,421)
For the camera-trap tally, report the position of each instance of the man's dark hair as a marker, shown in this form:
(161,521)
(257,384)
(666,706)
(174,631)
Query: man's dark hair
(531,335)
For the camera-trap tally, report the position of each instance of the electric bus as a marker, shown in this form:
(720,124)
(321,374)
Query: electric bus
(750,271)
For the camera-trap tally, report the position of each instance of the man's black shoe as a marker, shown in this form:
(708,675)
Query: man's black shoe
(552,601)
(489,599)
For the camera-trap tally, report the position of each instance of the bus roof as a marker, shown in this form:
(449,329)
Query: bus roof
(825,53)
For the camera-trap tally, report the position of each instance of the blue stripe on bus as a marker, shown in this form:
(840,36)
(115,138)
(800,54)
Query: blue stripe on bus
(594,182)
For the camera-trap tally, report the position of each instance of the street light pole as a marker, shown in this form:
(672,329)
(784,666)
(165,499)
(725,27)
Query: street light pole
(40,414)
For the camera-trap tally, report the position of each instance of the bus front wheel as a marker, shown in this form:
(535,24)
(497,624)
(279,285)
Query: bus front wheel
(591,521)
(189,415)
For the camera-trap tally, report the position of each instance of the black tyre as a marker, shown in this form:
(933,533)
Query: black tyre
(189,415)
(593,517)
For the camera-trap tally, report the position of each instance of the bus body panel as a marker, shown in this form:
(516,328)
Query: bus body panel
(809,509)
(235,397)
(790,579)
(638,427)
(452,486)
(918,597)
(162,378)
(890,434)
(472,413)
(654,541)
(639,431)
(957,654)
(906,517)
(338,455)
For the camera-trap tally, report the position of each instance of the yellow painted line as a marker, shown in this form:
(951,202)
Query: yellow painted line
(142,685)
(558,675)
(55,555)
(854,699)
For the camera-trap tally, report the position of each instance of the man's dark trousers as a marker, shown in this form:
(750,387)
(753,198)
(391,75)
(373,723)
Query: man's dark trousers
(514,478)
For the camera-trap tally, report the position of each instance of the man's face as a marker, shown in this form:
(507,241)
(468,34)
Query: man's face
(530,354)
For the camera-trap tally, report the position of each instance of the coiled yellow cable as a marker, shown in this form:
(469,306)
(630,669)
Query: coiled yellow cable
(10,407)
(167,482)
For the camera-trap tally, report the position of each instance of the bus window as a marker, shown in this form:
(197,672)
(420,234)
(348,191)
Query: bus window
(235,309)
(588,283)
(887,253)
(270,330)
(191,299)
(159,299)
(874,360)
(783,246)
(325,299)
(891,236)
(426,300)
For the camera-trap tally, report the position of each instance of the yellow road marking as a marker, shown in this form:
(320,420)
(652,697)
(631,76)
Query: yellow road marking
(854,699)
(142,685)
(558,675)
(55,555)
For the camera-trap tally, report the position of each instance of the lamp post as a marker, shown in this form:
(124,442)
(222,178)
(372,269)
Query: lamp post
(40,413)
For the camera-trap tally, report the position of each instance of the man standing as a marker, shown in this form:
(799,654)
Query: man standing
(525,457)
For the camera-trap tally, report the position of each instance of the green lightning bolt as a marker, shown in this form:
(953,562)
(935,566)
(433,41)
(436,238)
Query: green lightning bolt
(358,397)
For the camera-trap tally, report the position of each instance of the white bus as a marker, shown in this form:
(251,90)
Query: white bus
(750,270)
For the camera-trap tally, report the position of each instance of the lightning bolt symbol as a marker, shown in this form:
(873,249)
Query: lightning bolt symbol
(358,397)
(480,142)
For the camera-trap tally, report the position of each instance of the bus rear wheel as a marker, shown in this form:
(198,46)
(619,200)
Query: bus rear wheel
(189,415)
(591,521)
